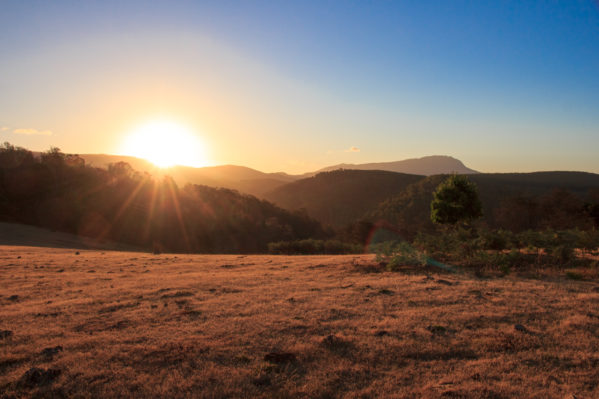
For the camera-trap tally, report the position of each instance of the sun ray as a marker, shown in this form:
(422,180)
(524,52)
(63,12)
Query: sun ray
(152,208)
(177,206)
(123,208)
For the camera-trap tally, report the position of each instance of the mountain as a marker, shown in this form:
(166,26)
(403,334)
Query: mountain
(240,178)
(427,166)
(341,196)
(254,182)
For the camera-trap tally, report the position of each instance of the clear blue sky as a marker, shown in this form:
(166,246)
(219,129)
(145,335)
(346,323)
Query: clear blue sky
(292,86)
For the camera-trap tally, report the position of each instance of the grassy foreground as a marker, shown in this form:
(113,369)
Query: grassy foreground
(114,324)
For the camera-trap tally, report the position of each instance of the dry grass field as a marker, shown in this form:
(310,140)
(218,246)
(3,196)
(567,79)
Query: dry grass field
(124,324)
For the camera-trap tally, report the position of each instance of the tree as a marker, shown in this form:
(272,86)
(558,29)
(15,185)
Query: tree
(518,213)
(455,200)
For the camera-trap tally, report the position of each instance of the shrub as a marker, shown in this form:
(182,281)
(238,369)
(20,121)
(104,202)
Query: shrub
(588,241)
(563,254)
(396,254)
(313,247)
(496,240)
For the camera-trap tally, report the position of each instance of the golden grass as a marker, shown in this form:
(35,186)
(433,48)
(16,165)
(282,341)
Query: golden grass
(142,325)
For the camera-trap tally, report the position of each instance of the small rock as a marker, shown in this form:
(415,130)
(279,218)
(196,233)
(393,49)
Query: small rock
(35,377)
(5,334)
(77,253)
(381,333)
(13,298)
(385,291)
(280,357)
(19,257)
(50,352)
(520,327)
(440,281)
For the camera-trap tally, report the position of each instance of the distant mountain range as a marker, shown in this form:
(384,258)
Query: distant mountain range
(240,178)
(427,166)
(260,184)
(396,191)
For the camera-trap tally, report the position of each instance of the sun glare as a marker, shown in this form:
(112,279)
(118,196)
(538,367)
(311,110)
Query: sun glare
(165,144)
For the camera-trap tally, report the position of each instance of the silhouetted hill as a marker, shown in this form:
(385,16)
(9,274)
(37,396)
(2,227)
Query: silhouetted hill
(341,196)
(536,183)
(234,177)
(59,192)
(103,160)
(258,183)
(431,165)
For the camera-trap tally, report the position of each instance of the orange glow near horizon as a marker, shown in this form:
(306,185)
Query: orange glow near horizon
(165,144)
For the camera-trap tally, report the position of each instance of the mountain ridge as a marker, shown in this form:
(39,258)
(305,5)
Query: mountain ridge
(426,166)
(258,183)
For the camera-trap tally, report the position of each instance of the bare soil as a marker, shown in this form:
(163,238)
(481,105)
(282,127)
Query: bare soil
(92,323)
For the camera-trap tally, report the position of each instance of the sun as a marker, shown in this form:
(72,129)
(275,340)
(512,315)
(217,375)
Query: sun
(165,144)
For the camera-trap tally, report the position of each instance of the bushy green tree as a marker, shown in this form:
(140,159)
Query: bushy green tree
(455,200)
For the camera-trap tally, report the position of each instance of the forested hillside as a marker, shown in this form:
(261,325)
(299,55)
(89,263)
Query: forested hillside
(60,192)
(339,197)
(514,201)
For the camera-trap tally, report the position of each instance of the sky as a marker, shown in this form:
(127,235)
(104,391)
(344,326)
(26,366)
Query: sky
(504,86)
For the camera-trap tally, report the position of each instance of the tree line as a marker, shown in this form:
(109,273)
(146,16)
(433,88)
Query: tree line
(60,192)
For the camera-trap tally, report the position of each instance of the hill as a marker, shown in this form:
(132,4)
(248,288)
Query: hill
(341,196)
(260,184)
(254,182)
(431,165)
(510,200)
(103,160)
(58,192)
(240,178)
(24,235)
(536,183)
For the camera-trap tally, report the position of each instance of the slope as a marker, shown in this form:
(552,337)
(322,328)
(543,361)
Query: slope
(341,196)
